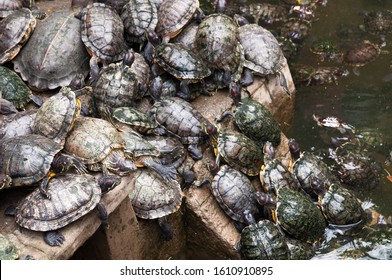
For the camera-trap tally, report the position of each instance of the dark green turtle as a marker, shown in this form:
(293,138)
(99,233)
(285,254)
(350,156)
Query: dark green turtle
(15,30)
(300,250)
(326,50)
(236,196)
(153,197)
(8,251)
(309,75)
(17,124)
(13,89)
(180,119)
(54,55)
(263,241)
(72,197)
(99,145)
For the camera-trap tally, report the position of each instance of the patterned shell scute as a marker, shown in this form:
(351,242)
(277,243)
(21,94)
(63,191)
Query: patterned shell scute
(7,7)
(103,32)
(142,72)
(92,139)
(17,124)
(173,15)
(72,196)
(27,159)
(14,32)
(181,62)
(263,241)
(234,193)
(276,176)
(153,197)
(139,16)
(240,152)
(13,88)
(56,116)
(136,145)
(179,118)
(54,54)
(262,51)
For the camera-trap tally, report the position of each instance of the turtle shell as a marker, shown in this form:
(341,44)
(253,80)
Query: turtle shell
(378,22)
(263,241)
(8,251)
(13,88)
(299,216)
(300,250)
(179,118)
(135,118)
(27,159)
(54,54)
(56,116)
(340,206)
(171,150)
(135,145)
(152,196)
(296,29)
(187,37)
(235,194)
(139,16)
(17,124)
(142,72)
(7,7)
(362,54)
(115,4)
(180,62)
(173,15)
(240,152)
(217,42)
(261,49)
(103,32)
(15,30)
(72,196)
(257,122)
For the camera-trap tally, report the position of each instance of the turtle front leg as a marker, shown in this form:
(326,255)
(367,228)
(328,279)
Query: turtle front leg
(167,172)
(247,77)
(166,228)
(54,238)
(103,214)
(194,152)
(43,187)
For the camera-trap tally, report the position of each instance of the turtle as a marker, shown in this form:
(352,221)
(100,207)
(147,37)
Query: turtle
(296,29)
(99,145)
(54,54)
(274,175)
(256,122)
(237,150)
(17,124)
(187,37)
(179,118)
(103,33)
(263,55)
(138,16)
(29,159)
(296,214)
(179,61)
(320,75)
(236,196)
(263,241)
(72,197)
(362,54)
(153,197)
(173,15)
(307,166)
(289,48)
(217,43)
(117,5)
(264,13)
(8,251)
(15,90)
(144,154)
(56,116)
(378,22)
(6,107)
(142,71)
(7,7)
(326,50)
(300,250)
(15,30)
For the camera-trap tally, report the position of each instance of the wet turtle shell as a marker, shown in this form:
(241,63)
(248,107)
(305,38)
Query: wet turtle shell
(300,250)
(17,124)
(15,30)
(103,33)
(142,72)
(296,29)
(153,197)
(13,89)
(362,54)
(138,16)
(27,159)
(257,122)
(173,15)
(263,241)
(235,195)
(187,37)
(98,144)
(378,22)
(54,54)
(8,251)
(137,119)
(56,116)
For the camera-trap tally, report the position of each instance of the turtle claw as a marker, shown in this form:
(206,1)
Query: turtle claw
(54,238)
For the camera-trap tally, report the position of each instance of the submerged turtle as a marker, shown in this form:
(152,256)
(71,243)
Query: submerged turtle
(320,75)
(152,197)
(263,55)
(180,119)
(326,50)
(13,89)
(296,29)
(15,30)
(54,54)
(378,22)
(72,197)
(99,145)
(263,241)
(236,196)
(264,13)
(362,54)
(17,124)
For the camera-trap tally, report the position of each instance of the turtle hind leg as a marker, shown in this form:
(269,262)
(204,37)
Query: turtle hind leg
(54,238)
(167,172)
(103,214)
(166,228)
(10,210)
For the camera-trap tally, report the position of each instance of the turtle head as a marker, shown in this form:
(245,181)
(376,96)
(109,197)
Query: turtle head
(109,182)
(317,186)
(213,167)
(5,181)
(294,149)
(129,57)
(235,92)
(266,200)
(269,151)
(153,37)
